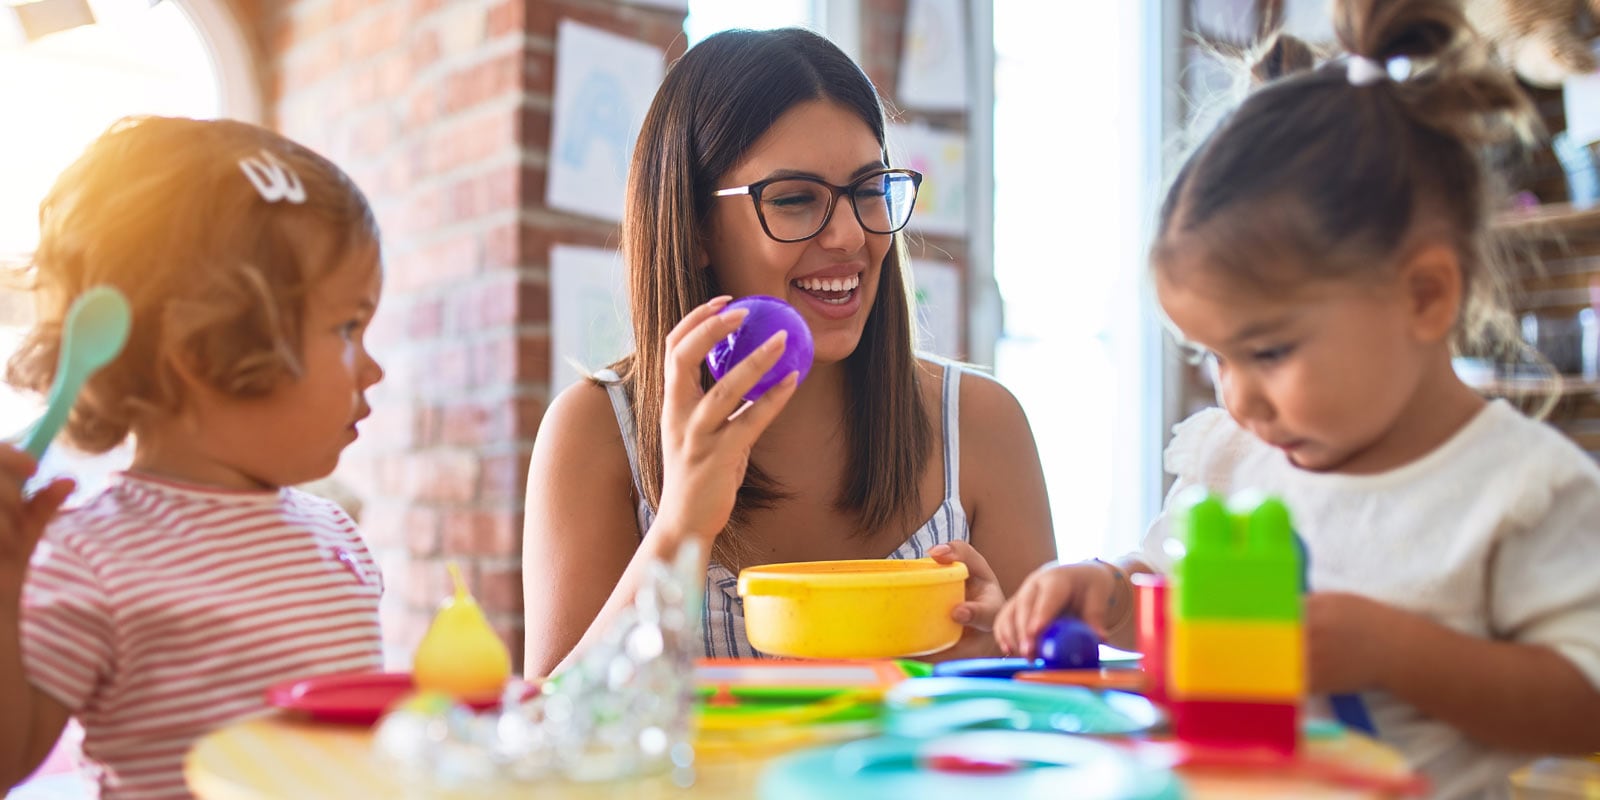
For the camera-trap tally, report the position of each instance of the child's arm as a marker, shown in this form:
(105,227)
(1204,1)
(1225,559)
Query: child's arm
(1098,592)
(33,720)
(1514,696)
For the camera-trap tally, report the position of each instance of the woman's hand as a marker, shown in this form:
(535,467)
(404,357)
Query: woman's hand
(1084,590)
(1347,641)
(977,612)
(705,446)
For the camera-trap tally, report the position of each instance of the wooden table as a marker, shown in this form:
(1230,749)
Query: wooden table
(280,757)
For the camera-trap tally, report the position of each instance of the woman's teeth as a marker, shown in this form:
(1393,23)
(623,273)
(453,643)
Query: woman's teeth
(830,290)
(829,284)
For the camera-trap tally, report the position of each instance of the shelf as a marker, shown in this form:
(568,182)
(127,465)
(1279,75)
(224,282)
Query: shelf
(1564,386)
(1551,218)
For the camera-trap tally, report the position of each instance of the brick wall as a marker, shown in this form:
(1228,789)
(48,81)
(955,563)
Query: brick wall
(441,112)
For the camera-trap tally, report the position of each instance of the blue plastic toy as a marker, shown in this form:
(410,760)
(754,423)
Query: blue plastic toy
(1069,643)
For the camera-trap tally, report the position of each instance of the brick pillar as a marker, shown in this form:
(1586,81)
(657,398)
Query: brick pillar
(441,113)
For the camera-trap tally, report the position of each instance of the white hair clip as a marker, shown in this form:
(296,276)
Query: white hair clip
(1363,71)
(273,179)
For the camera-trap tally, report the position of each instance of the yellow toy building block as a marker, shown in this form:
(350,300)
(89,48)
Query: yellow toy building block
(1238,660)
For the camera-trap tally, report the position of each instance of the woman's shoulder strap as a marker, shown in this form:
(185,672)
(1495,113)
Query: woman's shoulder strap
(625,422)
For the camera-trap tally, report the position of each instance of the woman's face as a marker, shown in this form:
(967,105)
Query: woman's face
(831,278)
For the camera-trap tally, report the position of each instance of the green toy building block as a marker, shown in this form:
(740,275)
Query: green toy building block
(1240,560)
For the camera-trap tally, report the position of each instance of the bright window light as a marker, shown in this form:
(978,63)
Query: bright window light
(1070,136)
(60,92)
(57,94)
(709,16)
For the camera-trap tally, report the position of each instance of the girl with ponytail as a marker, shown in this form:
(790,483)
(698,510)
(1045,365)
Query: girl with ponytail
(1325,250)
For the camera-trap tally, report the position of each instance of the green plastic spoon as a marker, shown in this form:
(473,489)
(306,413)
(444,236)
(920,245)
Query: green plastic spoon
(94,333)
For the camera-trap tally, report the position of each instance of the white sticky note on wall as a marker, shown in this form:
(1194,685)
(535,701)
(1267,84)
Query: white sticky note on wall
(937,304)
(604,85)
(941,157)
(933,57)
(1580,96)
(588,312)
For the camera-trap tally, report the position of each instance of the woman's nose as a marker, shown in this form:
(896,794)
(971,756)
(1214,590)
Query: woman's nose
(843,231)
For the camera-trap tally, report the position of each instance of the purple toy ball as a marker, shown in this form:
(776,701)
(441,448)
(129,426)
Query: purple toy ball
(767,316)
(1069,643)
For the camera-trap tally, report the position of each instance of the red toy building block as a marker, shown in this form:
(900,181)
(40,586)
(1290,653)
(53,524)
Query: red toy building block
(1152,604)
(1222,723)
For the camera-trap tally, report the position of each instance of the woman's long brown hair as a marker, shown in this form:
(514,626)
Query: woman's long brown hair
(713,106)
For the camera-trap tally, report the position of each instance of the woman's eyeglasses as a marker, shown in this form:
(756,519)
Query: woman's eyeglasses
(796,209)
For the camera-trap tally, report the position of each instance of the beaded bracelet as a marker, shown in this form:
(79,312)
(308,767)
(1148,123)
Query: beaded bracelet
(1124,586)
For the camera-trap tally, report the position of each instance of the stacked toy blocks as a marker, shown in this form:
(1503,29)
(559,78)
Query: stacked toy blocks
(1236,650)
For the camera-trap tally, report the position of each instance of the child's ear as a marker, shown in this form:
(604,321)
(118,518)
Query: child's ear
(1431,280)
(192,391)
(187,370)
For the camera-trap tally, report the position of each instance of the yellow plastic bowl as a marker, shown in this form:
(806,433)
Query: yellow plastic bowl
(883,608)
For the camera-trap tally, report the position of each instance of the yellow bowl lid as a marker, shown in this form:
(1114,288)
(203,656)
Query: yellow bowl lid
(886,573)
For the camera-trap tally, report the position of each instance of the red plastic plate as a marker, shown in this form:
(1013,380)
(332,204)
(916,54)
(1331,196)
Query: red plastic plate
(354,698)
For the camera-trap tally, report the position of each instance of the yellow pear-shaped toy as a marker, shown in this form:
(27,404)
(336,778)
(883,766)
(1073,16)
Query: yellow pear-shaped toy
(460,654)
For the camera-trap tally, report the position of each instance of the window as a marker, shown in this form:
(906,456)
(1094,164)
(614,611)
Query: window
(1076,141)
(709,16)
(60,91)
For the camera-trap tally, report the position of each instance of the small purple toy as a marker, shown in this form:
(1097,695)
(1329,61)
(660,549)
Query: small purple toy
(1069,643)
(767,316)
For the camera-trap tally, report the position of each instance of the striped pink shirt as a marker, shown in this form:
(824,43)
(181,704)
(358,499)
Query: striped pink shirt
(157,612)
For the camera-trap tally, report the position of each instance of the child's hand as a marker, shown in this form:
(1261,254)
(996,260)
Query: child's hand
(1346,641)
(704,453)
(22,519)
(1083,590)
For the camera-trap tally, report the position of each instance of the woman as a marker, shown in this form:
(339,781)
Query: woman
(761,169)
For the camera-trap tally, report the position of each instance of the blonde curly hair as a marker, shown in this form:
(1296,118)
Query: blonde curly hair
(216,273)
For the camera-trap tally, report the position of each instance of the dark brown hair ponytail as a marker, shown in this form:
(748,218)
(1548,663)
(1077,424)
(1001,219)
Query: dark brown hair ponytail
(1330,171)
